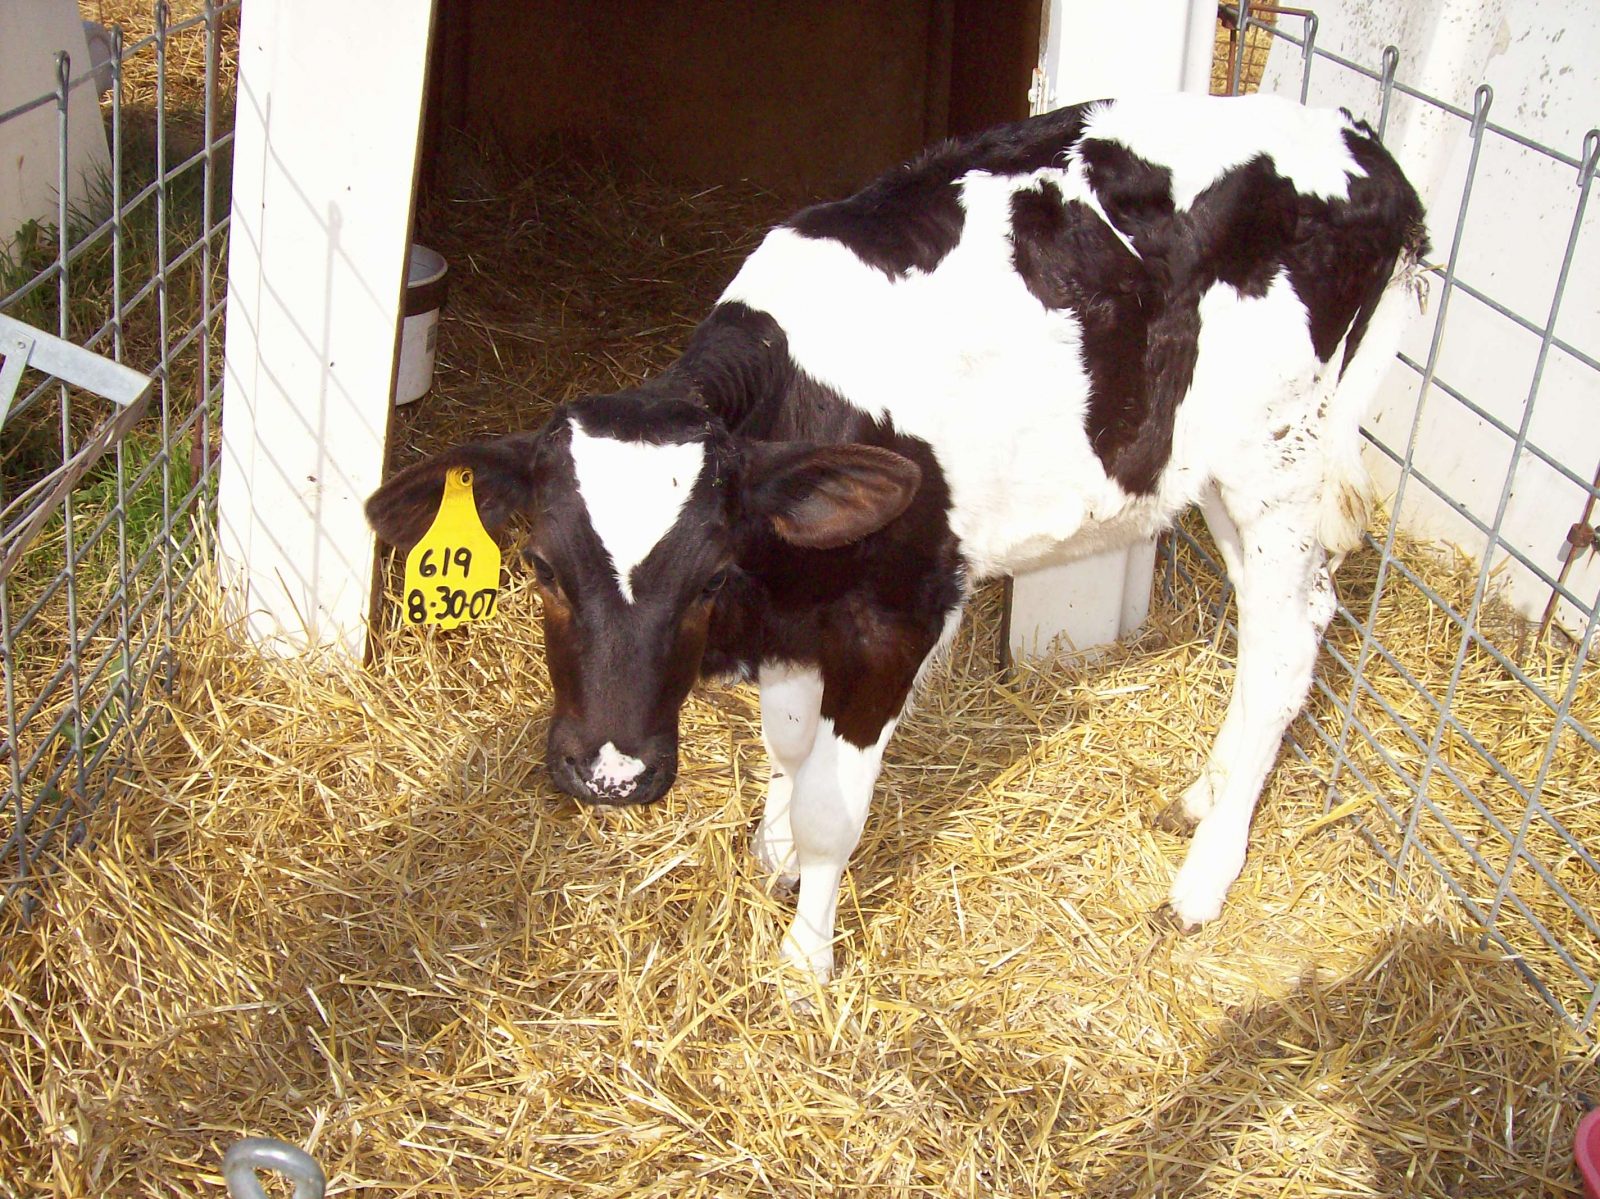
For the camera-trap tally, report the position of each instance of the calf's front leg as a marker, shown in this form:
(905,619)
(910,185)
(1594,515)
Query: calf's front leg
(866,674)
(791,706)
(828,810)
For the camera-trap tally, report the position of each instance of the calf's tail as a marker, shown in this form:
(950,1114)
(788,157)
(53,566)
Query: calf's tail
(1347,491)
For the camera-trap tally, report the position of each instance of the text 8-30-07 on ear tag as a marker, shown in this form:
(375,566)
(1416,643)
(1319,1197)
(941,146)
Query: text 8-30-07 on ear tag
(453,573)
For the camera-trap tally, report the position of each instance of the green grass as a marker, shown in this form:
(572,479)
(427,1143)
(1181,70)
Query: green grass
(31,443)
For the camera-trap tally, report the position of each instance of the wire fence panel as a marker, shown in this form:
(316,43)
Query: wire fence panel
(105,511)
(1472,753)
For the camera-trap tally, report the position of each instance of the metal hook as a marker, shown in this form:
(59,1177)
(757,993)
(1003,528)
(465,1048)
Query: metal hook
(1391,64)
(63,70)
(1591,157)
(244,1158)
(1481,99)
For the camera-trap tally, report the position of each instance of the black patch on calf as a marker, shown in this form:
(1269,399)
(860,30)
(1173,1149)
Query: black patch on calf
(1135,194)
(910,218)
(736,364)
(1140,313)
(1070,259)
(897,225)
(1346,250)
(865,614)
(1240,228)
(656,413)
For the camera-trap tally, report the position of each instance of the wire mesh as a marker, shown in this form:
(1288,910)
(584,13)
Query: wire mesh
(130,266)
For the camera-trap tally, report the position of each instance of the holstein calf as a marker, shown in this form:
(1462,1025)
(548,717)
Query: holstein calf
(1021,348)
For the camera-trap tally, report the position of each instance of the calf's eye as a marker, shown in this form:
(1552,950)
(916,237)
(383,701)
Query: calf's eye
(714,584)
(542,570)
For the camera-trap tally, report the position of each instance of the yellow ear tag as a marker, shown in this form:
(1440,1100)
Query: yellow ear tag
(453,573)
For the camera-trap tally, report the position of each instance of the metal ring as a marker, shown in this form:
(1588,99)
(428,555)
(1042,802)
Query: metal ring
(244,1158)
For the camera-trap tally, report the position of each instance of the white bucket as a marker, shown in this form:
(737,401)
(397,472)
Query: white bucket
(426,271)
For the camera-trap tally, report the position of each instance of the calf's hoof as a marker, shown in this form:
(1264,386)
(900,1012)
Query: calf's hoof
(1166,919)
(1189,809)
(1195,898)
(807,971)
(1175,819)
(783,874)
(799,999)
(808,964)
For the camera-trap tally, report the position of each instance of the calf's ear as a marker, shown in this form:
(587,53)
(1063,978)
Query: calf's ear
(823,497)
(503,478)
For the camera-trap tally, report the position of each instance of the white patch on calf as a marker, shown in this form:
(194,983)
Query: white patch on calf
(634,492)
(791,703)
(1256,382)
(614,771)
(1200,138)
(952,355)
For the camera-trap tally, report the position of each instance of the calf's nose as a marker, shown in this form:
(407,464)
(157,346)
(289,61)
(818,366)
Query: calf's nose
(610,774)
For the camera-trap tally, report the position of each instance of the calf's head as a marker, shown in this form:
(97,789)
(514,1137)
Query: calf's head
(637,512)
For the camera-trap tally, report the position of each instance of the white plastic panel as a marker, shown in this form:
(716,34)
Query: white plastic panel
(330,104)
(31,34)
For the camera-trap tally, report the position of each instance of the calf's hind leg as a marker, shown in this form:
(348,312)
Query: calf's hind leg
(1285,600)
(1198,799)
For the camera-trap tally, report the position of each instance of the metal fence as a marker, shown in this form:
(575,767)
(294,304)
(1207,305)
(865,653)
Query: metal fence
(110,314)
(1467,759)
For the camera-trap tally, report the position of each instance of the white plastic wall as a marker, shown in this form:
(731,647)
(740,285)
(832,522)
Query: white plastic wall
(1094,51)
(1539,56)
(31,33)
(330,104)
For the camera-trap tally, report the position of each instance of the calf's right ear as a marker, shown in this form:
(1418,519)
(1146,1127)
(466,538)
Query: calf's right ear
(503,478)
(826,496)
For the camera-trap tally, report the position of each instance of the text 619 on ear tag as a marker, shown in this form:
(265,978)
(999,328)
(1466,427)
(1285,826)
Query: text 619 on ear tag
(453,573)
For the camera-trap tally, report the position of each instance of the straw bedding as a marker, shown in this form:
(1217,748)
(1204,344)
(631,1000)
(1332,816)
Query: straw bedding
(342,906)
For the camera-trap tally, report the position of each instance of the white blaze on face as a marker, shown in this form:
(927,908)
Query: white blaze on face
(634,493)
(614,771)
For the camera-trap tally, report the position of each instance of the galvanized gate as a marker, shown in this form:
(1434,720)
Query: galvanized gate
(110,315)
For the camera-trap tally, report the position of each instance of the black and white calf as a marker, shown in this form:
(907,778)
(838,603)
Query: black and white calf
(1021,348)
